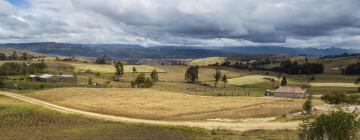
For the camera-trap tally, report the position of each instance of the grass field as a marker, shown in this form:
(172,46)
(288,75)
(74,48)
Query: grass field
(161,105)
(82,67)
(176,73)
(207,61)
(19,120)
(333,85)
(250,79)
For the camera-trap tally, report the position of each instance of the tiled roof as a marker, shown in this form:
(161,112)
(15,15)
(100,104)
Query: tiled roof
(290,89)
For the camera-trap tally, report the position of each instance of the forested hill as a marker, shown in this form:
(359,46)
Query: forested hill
(125,51)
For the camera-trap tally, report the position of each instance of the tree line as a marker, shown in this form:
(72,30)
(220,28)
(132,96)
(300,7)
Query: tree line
(11,68)
(289,67)
(352,69)
(15,56)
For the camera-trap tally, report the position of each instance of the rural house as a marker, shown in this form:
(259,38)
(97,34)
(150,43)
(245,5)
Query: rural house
(53,78)
(290,92)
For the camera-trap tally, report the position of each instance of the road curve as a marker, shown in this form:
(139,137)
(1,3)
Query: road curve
(238,126)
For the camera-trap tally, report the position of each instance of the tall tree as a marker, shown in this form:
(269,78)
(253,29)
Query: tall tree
(134,69)
(90,82)
(3,56)
(119,67)
(284,81)
(224,80)
(2,82)
(154,76)
(357,82)
(14,56)
(191,74)
(217,75)
(308,104)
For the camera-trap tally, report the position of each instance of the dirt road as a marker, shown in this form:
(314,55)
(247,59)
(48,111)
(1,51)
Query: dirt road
(238,126)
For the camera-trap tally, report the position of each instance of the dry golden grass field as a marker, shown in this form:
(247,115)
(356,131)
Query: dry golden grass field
(250,79)
(163,105)
(207,61)
(81,67)
(176,73)
(333,85)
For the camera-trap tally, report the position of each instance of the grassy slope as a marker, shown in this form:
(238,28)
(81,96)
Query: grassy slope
(20,120)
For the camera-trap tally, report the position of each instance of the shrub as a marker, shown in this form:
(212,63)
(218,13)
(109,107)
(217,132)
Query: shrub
(333,126)
(336,98)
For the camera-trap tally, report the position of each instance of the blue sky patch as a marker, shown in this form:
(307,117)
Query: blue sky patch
(20,3)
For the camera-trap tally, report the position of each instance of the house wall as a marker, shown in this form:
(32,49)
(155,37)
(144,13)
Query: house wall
(289,95)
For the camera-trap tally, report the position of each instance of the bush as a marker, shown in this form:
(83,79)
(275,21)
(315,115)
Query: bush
(336,98)
(333,126)
(142,82)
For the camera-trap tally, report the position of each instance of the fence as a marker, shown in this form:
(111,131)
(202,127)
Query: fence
(221,91)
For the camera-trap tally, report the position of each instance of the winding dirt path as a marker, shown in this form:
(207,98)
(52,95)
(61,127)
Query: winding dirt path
(211,125)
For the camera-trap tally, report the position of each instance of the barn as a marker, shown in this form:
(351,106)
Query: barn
(290,92)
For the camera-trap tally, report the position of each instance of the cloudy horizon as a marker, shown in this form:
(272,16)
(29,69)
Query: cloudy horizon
(290,23)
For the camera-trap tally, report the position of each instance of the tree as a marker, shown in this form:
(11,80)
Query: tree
(308,105)
(284,81)
(90,83)
(154,76)
(191,74)
(333,126)
(119,67)
(357,82)
(134,70)
(2,82)
(3,56)
(224,80)
(14,56)
(217,75)
(101,60)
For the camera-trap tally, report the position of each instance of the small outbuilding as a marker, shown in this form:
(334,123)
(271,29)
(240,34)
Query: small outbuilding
(290,92)
(54,78)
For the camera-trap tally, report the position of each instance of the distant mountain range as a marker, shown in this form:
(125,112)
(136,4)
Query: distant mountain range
(125,51)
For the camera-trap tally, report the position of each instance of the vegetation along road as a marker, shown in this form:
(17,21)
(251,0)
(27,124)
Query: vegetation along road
(238,126)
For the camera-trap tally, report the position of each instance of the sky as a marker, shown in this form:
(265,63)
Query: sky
(289,23)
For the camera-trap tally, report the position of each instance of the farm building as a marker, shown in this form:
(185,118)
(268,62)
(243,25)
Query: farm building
(53,78)
(290,92)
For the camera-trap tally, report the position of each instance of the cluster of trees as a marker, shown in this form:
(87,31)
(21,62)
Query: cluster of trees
(352,69)
(192,75)
(289,67)
(218,77)
(15,56)
(338,98)
(141,81)
(10,68)
(102,60)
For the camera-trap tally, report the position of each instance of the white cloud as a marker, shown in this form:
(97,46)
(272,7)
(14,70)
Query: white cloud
(294,23)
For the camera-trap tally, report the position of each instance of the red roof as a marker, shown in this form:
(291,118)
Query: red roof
(290,89)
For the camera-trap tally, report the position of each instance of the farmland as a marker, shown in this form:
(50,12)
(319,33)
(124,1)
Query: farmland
(81,67)
(250,79)
(152,104)
(35,122)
